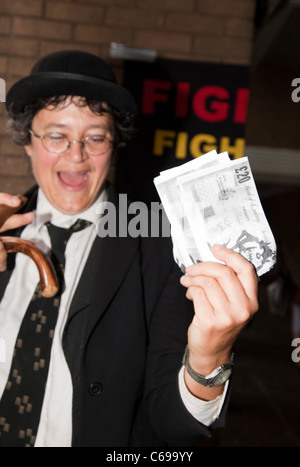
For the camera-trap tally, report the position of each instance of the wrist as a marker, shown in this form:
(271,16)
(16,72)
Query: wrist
(206,363)
(214,375)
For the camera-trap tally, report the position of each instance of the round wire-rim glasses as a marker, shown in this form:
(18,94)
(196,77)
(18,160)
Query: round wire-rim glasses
(58,143)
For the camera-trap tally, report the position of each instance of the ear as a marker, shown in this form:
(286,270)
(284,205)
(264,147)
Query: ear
(27,147)
(28,150)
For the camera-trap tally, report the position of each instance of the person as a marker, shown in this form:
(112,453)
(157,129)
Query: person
(127,316)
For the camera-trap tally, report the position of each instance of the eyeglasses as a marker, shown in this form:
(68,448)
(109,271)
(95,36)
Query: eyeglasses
(58,143)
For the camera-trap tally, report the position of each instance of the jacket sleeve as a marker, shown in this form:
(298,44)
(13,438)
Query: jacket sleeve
(170,318)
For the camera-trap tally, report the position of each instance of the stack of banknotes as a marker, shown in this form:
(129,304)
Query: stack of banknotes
(214,200)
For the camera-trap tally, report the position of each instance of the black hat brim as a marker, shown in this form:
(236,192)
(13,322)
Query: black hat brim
(50,84)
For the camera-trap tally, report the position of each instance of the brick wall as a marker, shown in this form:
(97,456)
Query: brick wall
(202,30)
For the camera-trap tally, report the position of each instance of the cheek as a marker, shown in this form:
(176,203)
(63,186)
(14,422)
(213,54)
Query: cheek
(37,156)
(102,167)
(41,163)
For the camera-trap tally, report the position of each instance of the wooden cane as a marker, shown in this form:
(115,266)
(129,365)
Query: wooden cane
(48,278)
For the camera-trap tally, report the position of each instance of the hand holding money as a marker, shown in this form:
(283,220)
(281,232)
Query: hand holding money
(224,295)
(219,233)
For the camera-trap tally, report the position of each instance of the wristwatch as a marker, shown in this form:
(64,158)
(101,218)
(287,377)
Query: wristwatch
(216,378)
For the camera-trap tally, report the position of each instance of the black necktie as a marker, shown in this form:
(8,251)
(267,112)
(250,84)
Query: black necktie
(22,400)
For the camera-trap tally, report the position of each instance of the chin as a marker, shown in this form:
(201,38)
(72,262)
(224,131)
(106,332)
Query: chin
(71,205)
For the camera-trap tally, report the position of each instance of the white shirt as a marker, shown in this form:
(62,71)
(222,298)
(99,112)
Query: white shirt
(55,429)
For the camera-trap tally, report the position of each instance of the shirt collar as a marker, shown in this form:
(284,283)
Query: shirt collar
(45,212)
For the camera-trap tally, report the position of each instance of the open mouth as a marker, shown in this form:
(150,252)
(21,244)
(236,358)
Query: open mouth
(73,181)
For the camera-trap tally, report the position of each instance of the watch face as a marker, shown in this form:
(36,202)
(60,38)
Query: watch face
(221,378)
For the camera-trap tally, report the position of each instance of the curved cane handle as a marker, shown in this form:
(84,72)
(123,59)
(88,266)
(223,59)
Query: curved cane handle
(48,278)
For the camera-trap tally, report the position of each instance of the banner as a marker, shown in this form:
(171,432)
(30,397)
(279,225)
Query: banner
(186,109)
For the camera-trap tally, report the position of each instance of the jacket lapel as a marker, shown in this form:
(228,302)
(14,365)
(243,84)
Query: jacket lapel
(115,255)
(106,267)
(83,294)
(5,276)
(115,258)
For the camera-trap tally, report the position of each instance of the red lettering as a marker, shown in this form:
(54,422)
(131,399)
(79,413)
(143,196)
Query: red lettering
(241,106)
(152,93)
(218,110)
(182,100)
(210,103)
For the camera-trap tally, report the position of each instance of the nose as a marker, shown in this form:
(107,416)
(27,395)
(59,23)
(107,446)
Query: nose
(76,152)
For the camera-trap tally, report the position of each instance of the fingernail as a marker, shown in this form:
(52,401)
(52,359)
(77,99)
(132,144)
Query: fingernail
(191,267)
(28,217)
(15,201)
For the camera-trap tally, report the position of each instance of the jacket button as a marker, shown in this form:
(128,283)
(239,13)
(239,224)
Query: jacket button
(95,389)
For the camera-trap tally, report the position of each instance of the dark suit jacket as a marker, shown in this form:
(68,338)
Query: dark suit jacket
(123,341)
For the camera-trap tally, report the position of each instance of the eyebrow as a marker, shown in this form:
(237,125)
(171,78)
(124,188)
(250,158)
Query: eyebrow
(67,127)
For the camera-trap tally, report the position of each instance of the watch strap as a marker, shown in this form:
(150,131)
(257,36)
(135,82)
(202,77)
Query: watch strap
(212,379)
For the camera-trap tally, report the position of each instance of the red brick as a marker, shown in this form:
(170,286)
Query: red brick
(3,65)
(196,24)
(9,148)
(15,165)
(133,17)
(244,8)
(42,28)
(19,66)
(71,12)
(5,24)
(16,46)
(126,3)
(163,41)
(239,27)
(3,120)
(168,5)
(15,185)
(21,8)
(101,35)
(225,49)
(47,47)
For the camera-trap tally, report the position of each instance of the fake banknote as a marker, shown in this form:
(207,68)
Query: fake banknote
(213,199)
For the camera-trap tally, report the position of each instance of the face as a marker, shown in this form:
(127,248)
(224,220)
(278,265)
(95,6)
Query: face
(73,180)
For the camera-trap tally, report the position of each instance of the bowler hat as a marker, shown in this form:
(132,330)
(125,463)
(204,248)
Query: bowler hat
(70,73)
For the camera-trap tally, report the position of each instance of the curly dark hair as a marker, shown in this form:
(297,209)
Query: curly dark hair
(20,123)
